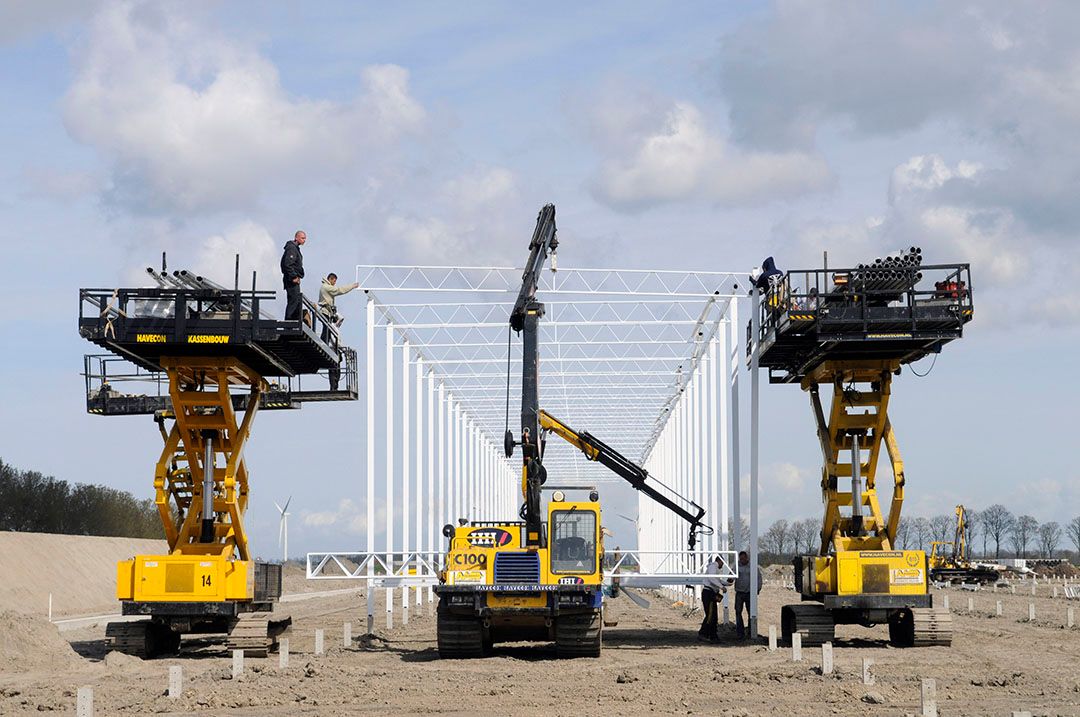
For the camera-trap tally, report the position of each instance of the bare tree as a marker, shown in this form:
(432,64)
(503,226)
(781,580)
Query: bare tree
(997,523)
(903,534)
(811,529)
(920,530)
(1073,529)
(1049,538)
(1024,529)
(775,538)
(743,528)
(941,528)
(797,534)
(973,524)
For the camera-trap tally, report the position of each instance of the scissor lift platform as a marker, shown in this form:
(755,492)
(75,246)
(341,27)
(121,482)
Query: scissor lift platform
(818,315)
(143,326)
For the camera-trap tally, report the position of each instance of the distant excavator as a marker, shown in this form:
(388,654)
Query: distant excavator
(953,566)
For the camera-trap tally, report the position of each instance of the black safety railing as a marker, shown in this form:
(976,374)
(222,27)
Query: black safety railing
(862,299)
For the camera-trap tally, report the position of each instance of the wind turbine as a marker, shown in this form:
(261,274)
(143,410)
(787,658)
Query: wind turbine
(283,530)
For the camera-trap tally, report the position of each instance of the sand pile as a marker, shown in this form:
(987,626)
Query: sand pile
(30,641)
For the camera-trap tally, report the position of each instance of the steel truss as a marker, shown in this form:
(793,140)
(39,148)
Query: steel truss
(645,360)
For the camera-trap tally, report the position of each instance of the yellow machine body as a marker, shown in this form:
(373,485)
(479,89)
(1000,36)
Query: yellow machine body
(194,570)
(475,549)
(873,572)
(184,578)
(858,575)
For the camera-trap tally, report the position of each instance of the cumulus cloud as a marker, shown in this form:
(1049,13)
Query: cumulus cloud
(477,212)
(347,517)
(920,211)
(995,75)
(257,249)
(189,120)
(683,159)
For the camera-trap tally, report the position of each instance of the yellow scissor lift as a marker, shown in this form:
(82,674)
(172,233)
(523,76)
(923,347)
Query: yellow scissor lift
(842,330)
(213,349)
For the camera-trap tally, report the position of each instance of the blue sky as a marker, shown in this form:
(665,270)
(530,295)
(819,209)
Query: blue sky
(688,136)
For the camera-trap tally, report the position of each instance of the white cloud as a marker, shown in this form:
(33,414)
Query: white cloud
(348,517)
(189,120)
(786,476)
(991,75)
(257,249)
(682,159)
(918,214)
(472,214)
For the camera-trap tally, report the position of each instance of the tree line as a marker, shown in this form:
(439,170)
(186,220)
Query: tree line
(32,502)
(993,533)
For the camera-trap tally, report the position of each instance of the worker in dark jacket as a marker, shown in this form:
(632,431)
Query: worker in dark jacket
(292,271)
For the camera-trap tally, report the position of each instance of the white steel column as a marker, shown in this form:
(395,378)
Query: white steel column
(421,436)
(721,434)
(755,319)
(369,449)
(736,476)
(434,507)
(406,477)
(441,467)
(389,457)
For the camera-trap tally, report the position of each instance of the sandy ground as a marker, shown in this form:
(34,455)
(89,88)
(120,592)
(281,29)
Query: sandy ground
(651,663)
(33,565)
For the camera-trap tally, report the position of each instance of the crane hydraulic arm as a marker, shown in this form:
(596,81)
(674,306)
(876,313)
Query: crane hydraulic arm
(596,450)
(525,320)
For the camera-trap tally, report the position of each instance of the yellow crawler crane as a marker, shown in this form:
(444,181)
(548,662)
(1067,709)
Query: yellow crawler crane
(853,330)
(537,579)
(214,348)
(953,566)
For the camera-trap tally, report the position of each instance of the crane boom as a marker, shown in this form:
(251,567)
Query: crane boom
(596,450)
(525,320)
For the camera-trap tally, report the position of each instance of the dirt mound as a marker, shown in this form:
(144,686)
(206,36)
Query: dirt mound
(30,641)
(1061,570)
(80,573)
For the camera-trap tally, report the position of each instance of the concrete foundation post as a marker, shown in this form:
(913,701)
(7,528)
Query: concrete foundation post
(176,681)
(237,664)
(84,702)
(928,698)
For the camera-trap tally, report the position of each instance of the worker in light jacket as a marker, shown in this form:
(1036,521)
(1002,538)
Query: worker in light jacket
(742,594)
(292,271)
(327,306)
(328,293)
(711,592)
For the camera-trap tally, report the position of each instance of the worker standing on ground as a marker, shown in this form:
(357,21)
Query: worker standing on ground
(742,595)
(292,271)
(327,294)
(710,600)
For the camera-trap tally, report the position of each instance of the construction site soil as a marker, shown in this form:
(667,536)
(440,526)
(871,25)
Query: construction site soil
(652,663)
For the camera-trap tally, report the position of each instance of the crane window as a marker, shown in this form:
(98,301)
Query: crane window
(573,548)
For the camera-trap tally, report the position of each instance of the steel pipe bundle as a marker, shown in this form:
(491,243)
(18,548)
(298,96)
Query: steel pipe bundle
(894,273)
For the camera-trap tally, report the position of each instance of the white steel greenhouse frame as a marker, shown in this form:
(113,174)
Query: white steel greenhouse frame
(647,361)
